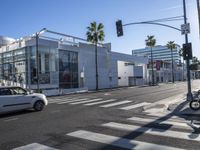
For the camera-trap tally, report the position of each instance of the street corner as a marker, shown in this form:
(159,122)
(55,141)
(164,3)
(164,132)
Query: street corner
(183,108)
(155,108)
(165,104)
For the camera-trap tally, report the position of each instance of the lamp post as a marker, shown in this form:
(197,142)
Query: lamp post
(37,55)
(189,94)
(37,60)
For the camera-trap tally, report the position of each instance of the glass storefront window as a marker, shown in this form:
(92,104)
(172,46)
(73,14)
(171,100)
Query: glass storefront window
(13,66)
(68,69)
(48,65)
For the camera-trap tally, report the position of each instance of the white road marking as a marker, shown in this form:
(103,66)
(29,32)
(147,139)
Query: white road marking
(135,106)
(75,100)
(82,102)
(162,114)
(34,146)
(96,103)
(64,99)
(10,119)
(170,122)
(115,104)
(154,131)
(119,142)
(55,111)
(58,100)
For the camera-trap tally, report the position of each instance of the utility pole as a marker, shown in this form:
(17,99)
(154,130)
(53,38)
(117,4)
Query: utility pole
(189,94)
(37,60)
(198,10)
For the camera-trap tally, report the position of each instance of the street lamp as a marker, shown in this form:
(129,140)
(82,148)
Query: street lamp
(37,54)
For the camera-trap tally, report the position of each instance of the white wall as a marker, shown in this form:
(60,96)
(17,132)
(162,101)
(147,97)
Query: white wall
(124,72)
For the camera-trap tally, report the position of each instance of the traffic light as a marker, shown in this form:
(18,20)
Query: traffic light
(119,28)
(187,51)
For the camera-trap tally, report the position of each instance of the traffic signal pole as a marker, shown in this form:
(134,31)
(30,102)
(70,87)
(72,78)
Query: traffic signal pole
(189,94)
(119,26)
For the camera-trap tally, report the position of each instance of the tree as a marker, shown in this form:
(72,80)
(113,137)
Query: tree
(195,60)
(95,34)
(171,45)
(151,42)
(195,63)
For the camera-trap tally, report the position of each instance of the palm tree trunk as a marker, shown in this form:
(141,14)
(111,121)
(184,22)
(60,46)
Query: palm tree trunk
(172,67)
(152,67)
(96,66)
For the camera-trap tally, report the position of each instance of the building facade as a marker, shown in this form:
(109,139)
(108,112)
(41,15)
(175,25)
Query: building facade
(162,65)
(159,53)
(62,65)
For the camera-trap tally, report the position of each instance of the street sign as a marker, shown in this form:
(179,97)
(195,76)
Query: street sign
(185,28)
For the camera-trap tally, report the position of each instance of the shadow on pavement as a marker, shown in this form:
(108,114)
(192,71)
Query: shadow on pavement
(136,133)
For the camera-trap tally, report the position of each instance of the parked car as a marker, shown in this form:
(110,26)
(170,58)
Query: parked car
(15,98)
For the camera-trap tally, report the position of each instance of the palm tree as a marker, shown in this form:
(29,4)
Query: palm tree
(171,45)
(150,42)
(95,34)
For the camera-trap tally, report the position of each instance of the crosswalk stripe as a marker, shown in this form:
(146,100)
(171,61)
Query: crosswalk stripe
(55,100)
(153,131)
(82,102)
(34,146)
(149,120)
(135,106)
(119,142)
(96,103)
(58,101)
(115,104)
(75,100)
(162,114)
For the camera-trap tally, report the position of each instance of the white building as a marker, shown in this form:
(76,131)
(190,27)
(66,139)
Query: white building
(159,52)
(61,63)
(163,63)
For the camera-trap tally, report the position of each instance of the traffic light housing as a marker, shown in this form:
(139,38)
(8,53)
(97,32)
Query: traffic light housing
(119,28)
(187,51)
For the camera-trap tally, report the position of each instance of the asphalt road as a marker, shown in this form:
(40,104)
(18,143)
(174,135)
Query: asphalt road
(104,120)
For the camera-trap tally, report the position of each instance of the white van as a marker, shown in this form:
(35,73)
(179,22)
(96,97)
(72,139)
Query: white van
(14,98)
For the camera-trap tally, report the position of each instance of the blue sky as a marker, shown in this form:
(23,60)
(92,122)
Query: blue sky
(24,17)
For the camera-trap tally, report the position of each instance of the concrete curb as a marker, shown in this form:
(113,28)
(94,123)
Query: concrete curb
(170,104)
(164,103)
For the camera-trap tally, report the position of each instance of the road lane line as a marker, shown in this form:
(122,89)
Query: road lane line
(135,106)
(75,100)
(11,119)
(34,146)
(116,104)
(82,102)
(101,102)
(154,131)
(64,100)
(149,120)
(117,141)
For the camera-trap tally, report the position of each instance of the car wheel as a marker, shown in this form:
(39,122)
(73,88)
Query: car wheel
(195,104)
(38,106)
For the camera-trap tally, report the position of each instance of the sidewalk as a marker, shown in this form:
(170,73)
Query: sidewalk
(177,105)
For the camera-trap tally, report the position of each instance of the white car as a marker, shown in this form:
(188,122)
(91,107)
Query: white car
(16,98)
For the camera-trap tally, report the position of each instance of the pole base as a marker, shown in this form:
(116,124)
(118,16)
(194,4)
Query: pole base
(189,97)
